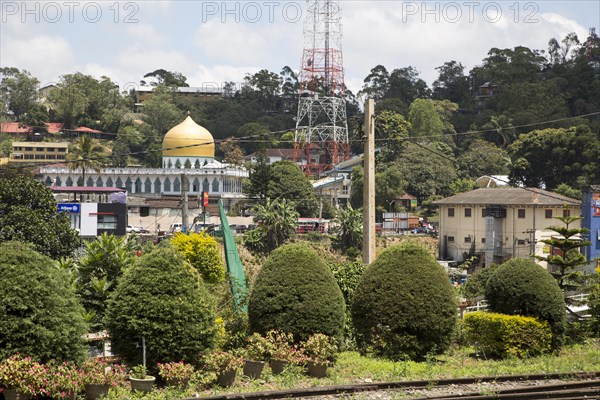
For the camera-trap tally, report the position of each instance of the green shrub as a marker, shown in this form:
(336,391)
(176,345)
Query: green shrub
(202,252)
(522,287)
(404,305)
(39,312)
(295,292)
(162,299)
(503,336)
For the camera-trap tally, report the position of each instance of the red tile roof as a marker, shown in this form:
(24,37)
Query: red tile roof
(13,127)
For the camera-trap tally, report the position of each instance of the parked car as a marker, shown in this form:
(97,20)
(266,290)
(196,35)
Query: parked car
(131,228)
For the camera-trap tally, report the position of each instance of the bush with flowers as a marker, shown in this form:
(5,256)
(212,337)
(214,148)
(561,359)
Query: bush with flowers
(219,361)
(22,374)
(176,372)
(257,348)
(320,348)
(282,348)
(62,380)
(96,372)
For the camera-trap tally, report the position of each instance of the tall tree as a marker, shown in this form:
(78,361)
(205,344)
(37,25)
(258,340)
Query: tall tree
(376,84)
(18,90)
(277,221)
(452,83)
(392,130)
(29,213)
(348,230)
(289,182)
(163,77)
(257,186)
(86,153)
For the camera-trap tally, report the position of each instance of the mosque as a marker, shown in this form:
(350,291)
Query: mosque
(188,150)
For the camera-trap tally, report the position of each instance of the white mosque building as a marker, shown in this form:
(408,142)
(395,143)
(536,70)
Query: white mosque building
(188,149)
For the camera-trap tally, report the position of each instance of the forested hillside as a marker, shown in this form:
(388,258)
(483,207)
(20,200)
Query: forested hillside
(532,114)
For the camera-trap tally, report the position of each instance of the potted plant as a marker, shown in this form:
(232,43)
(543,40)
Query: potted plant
(99,377)
(282,351)
(21,377)
(225,365)
(320,351)
(176,373)
(256,353)
(140,380)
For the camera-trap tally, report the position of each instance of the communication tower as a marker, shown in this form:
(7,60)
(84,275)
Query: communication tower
(321,124)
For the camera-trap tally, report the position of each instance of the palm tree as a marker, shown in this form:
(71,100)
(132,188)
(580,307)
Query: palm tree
(85,154)
(349,229)
(502,128)
(277,219)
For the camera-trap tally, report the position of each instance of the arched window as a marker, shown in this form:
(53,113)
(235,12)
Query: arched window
(177,185)
(138,185)
(58,181)
(80,181)
(69,182)
(167,185)
(109,182)
(196,186)
(178,164)
(157,186)
(119,183)
(90,182)
(215,186)
(197,164)
(205,185)
(99,182)
(187,164)
(148,186)
(170,165)
(48,181)
(128,184)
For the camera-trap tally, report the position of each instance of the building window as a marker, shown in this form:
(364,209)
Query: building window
(109,182)
(205,185)
(157,186)
(451,212)
(148,186)
(548,213)
(482,240)
(138,185)
(450,239)
(566,213)
(521,242)
(468,213)
(167,185)
(468,239)
(107,222)
(521,213)
(144,211)
(215,186)
(99,182)
(483,212)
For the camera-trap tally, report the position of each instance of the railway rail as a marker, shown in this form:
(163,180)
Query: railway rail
(573,386)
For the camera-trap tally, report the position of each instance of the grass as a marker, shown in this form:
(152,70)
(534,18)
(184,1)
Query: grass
(352,368)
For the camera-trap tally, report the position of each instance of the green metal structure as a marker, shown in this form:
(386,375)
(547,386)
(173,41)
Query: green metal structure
(237,278)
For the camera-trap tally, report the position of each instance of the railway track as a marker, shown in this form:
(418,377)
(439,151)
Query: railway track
(575,387)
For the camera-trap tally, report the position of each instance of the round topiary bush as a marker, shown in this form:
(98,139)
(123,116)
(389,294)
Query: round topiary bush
(162,299)
(39,312)
(295,292)
(522,287)
(404,305)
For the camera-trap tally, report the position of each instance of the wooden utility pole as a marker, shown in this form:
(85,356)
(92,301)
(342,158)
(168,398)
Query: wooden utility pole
(369,185)
(184,201)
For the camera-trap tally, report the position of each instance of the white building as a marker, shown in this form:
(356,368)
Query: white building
(188,149)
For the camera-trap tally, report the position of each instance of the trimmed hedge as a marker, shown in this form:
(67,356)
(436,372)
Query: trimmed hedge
(503,336)
(163,299)
(295,292)
(39,312)
(404,305)
(522,287)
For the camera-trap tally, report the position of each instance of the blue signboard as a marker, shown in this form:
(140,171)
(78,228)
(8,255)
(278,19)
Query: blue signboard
(73,208)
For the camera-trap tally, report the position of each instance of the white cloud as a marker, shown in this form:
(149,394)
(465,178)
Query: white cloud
(147,35)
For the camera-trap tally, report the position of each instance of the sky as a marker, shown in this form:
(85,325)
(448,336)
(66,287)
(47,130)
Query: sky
(212,42)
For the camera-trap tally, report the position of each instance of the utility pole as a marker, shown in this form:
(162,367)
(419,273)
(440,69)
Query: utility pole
(369,185)
(184,200)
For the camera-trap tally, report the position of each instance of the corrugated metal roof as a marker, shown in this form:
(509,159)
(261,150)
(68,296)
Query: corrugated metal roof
(509,196)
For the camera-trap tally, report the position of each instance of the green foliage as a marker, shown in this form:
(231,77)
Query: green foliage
(277,221)
(295,292)
(257,348)
(162,299)
(594,302)
(101,266)
(475,286)
(566,264)
(348,229)
(287,181)
(404,305)
(392,129)
(482,158)
(85,153)
(504,336)
(202,252)
(19,90)
(320,348)
(521,287)
(29,213)
(40,314)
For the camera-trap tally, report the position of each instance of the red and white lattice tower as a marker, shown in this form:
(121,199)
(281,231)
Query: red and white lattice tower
(321,125)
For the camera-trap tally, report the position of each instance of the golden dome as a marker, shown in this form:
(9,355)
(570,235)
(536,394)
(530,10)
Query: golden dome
(188,139)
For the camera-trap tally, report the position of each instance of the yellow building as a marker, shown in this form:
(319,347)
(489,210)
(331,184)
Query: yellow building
(42,152)
(500,224)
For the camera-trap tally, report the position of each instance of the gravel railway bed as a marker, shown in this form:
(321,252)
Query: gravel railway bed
(573,386)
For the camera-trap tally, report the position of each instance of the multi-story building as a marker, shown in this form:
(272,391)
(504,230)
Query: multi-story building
(500,224)
(591,220)
(39,152)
